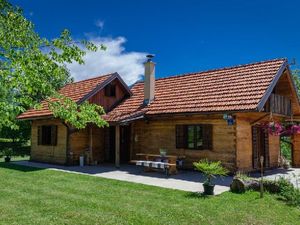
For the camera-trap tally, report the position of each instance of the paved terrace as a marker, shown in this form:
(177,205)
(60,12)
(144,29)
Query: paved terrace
(190,181)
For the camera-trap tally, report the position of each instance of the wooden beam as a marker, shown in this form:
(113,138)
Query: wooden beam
(259,119)
(117,146)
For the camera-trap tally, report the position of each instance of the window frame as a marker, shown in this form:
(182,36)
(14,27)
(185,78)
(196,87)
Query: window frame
(110,90)
(47,135)
(182,136)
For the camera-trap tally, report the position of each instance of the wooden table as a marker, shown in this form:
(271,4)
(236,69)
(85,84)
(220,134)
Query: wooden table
(171,159)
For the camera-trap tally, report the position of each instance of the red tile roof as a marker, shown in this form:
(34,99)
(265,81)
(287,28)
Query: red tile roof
(236,88)
(76,91)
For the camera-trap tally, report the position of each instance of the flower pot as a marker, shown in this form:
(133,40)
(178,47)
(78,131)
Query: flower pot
(7,159)
(208,189)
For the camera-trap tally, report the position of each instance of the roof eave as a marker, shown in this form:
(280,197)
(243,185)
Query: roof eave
(102,85)
(35,117)
(269,90)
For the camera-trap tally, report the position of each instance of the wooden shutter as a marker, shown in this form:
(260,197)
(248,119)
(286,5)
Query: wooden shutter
(255,147)
(39,135)
(54,135)
(207,136)
(181,136)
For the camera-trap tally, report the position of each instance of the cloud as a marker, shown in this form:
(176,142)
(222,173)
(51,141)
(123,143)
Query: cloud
(99,24)
(114,59)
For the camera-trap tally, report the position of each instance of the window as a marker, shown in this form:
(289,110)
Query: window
(197,136)
(110,90)
(47,135)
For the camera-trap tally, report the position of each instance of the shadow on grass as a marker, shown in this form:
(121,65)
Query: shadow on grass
(19,167)
(197,195)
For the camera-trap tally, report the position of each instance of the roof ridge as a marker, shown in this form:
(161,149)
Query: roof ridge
(222,68)
(92,78)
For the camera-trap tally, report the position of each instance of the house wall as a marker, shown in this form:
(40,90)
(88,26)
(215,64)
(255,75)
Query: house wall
(51,154)
(78,144)
(274,150)
(108,102)
(296,150)
(244,151)
(80,141)
(98,144)
(243,143)
(149,137)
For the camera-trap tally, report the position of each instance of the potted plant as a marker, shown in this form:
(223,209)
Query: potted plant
(7,153)
(210,171)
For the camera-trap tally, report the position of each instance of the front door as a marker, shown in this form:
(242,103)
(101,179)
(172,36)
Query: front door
(125,144)
(260,147)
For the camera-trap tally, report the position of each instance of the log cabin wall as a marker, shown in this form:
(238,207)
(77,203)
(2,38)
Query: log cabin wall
(98,145)
(149,137)
(274,150)
(296,150)
(80,141)
(45,153)
(78,144)
(244,151)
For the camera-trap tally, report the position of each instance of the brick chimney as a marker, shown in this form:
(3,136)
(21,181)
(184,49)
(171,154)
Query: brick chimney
(149,81)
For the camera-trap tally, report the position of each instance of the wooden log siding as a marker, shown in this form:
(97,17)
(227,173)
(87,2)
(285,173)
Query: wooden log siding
(296,150)
(90,138)
(280,105)
(255,146)
(150,136)
(244,144)
(55,153)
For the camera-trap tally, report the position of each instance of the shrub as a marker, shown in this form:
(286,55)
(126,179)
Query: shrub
(286,148)
(282,187)
(7,152)
(288,192)
(210,169)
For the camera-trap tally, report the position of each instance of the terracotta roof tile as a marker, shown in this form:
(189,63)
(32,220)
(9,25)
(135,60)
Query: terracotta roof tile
(227,89)
(76,91)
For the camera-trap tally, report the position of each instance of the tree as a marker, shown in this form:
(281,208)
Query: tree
(33,68)
(296,76)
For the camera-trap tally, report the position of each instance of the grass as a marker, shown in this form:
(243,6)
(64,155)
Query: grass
(37,196)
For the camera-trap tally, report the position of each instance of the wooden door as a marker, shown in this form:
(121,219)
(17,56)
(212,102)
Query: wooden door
(260,147)
(125,135)
(109,145)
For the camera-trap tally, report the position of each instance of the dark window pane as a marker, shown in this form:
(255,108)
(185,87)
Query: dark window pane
(180,136)
(47,135)
(194,136)
(199,137)
(191,137)
(110,90)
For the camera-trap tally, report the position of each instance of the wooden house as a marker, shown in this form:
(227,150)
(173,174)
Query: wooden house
(214,114)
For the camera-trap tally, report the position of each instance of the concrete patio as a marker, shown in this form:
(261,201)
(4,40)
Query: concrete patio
(293,174)
(185,180)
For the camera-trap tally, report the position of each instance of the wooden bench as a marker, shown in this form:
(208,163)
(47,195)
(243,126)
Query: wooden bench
(157,162)
(150,165)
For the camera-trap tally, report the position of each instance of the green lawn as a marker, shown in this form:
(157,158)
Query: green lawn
(36,196)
